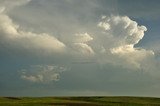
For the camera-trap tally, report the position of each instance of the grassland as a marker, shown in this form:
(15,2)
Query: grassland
(79,101)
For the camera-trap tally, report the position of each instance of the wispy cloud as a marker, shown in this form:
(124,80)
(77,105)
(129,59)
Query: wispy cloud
(42,73)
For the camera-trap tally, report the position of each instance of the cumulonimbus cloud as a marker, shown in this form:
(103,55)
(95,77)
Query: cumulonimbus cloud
(114,43)
(123,34)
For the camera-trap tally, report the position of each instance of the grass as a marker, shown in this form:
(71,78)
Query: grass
(79,101)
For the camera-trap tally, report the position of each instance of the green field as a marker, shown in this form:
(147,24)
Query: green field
(79,101)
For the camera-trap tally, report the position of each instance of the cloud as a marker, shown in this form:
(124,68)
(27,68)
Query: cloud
(83,49)
(102,53)
(123,34)
(12,37)
(112,40)
(82,38)
(42,73)
(2,9)
(131,55)
(115,41)
(127,31)
(78,44)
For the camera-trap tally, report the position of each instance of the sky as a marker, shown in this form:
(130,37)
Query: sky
(79,48)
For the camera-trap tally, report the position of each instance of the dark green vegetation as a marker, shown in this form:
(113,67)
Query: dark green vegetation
(79,101)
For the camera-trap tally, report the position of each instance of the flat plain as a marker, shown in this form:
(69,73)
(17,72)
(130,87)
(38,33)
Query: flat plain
(80,101)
